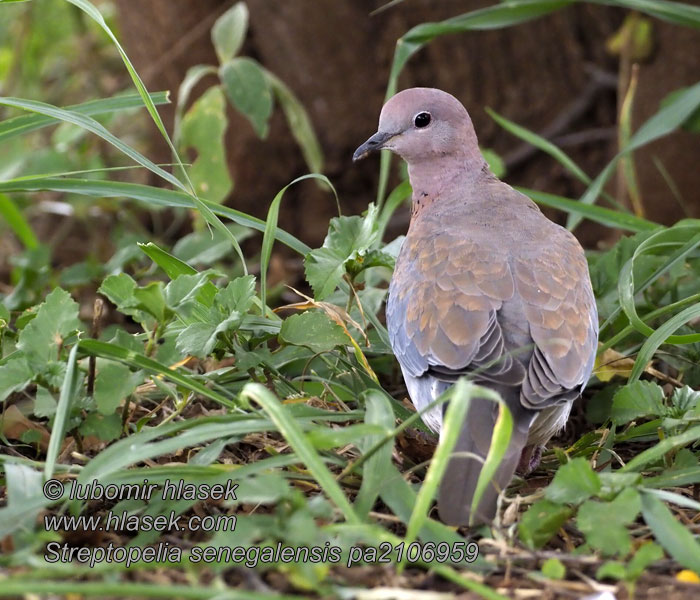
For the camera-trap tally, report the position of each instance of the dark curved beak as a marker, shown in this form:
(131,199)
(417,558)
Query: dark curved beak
(376,142)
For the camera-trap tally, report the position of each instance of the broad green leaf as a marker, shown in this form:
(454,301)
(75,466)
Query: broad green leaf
(104,427)
(42,338)
(313,329)
(114,383)
(249,91)
(637,399)
(348,237)
(553,568)
(685,398)
(541,522)
(573,483)
(195,291)
(203,128)
(647,554)
(670,533)
(23,485)
(229,31)
(199,339)
(378,411)
(15,375)
(149,298)
(611,569)
(603,523)
(238,295)
(44,403)
(172,265)
(120,290)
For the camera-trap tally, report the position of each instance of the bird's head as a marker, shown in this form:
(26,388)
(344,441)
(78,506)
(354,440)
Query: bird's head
(422,124)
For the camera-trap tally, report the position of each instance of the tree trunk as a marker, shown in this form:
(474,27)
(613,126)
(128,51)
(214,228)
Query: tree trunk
(336,58)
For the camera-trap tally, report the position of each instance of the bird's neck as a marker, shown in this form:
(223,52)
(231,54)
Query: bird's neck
(445,178)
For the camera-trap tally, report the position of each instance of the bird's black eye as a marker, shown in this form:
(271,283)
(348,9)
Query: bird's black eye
(422,119)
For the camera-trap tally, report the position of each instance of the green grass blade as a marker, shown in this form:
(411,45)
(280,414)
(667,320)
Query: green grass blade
(145,444)
(598,214)
(649,348)
(209,216)
(659,450)
(677,13)
(673,536)
(22,124)
(15,219)
(618,337)
(89,9)
(68,393)
(395,199)
(548,147)
(666,120)
(460,398)
(500,439)
(150,195)
(172,265)
(626,291)
(93,126)
(306,452)
(270,232)
(133,359)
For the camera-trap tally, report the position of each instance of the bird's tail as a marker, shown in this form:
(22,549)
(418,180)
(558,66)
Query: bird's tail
(460,479)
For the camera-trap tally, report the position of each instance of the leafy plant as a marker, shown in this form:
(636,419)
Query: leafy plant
(192,373)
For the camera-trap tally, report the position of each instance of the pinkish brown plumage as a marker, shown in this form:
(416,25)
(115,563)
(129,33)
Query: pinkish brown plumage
(484,281)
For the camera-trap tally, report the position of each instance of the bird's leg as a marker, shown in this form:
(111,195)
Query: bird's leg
(529,459)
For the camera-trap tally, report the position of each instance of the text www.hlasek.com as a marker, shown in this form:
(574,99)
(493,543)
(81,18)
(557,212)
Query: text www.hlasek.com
(249,556)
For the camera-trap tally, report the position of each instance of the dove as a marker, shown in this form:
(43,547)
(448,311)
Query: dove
(485,286)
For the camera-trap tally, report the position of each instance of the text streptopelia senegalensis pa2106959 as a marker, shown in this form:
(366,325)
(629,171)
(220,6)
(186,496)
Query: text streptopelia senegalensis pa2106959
(485,285)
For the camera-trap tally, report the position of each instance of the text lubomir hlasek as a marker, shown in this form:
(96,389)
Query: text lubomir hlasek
(175,490)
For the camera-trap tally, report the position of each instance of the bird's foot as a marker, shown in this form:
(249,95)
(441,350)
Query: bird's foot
(529,459)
